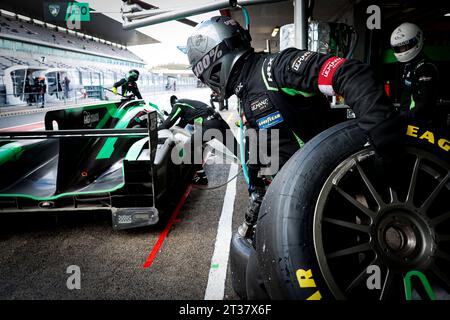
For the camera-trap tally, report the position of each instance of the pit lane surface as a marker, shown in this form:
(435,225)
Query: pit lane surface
(36,250)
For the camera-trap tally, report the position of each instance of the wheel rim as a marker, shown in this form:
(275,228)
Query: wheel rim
(361,221)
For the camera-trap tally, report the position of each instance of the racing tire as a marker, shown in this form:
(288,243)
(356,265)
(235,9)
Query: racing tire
(240,249)
(329,220)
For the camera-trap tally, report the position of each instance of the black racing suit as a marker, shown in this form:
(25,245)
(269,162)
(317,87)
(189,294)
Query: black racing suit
(188,111)
(419,88)
(198,113)
(128,86)
(286,91)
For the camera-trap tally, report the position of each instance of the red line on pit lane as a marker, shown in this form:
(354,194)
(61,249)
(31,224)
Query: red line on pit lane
(163,235)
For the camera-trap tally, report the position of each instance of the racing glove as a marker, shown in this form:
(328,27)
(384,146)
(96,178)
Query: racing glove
(387,136)
(114,90)
(387,140)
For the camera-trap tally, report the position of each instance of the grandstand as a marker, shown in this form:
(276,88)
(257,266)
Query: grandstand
(35,31)
(90,63)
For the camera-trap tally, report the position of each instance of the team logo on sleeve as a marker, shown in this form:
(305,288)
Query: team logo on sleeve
(269,70)
(326,74)
(301,60)
(270,120)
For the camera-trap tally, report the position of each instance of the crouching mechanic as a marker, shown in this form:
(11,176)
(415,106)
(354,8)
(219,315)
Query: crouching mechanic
(287,91)
(128,84)
(204,117)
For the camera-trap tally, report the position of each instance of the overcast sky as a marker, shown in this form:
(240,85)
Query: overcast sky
(170,34)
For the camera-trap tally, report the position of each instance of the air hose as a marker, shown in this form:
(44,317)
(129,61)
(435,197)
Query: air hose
(218,186)
(246,17)
(242,145)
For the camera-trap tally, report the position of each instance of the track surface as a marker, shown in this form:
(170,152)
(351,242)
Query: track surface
(36,250)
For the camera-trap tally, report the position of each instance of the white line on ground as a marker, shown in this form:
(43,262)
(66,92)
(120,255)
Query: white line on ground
(219,262)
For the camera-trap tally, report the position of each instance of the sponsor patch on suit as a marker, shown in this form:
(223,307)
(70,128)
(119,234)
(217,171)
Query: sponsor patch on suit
(301,60)
(259,106)
(270,120)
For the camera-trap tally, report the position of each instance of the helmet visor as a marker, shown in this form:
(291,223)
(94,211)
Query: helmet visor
(405,46)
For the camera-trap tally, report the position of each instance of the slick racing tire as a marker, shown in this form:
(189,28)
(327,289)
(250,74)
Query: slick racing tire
(332,227)
(240,249)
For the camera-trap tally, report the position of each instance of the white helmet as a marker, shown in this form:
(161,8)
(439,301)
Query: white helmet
(407,41)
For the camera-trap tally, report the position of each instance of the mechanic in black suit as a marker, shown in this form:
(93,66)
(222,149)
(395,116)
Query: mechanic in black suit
(128,84)
(420,76)
(199,114)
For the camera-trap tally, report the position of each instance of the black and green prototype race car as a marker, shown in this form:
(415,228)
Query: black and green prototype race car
(107,156)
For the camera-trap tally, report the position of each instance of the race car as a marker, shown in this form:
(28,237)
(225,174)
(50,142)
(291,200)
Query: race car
(107,156)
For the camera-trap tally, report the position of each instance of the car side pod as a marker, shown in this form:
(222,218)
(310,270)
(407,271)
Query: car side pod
(127,218)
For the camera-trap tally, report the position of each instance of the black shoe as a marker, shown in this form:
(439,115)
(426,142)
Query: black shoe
(200,178)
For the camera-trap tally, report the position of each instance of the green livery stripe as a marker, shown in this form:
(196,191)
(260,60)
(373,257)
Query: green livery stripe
(111,111)
(68,194)
(107,150)
(293,92)
(10,151)
(154,106)
(124,115)
(102,122)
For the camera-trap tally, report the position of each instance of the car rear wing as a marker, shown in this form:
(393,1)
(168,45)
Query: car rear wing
(151,132)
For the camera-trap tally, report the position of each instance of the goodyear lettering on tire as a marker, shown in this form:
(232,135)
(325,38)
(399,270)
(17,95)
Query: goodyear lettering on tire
(429,136)
(305,280)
